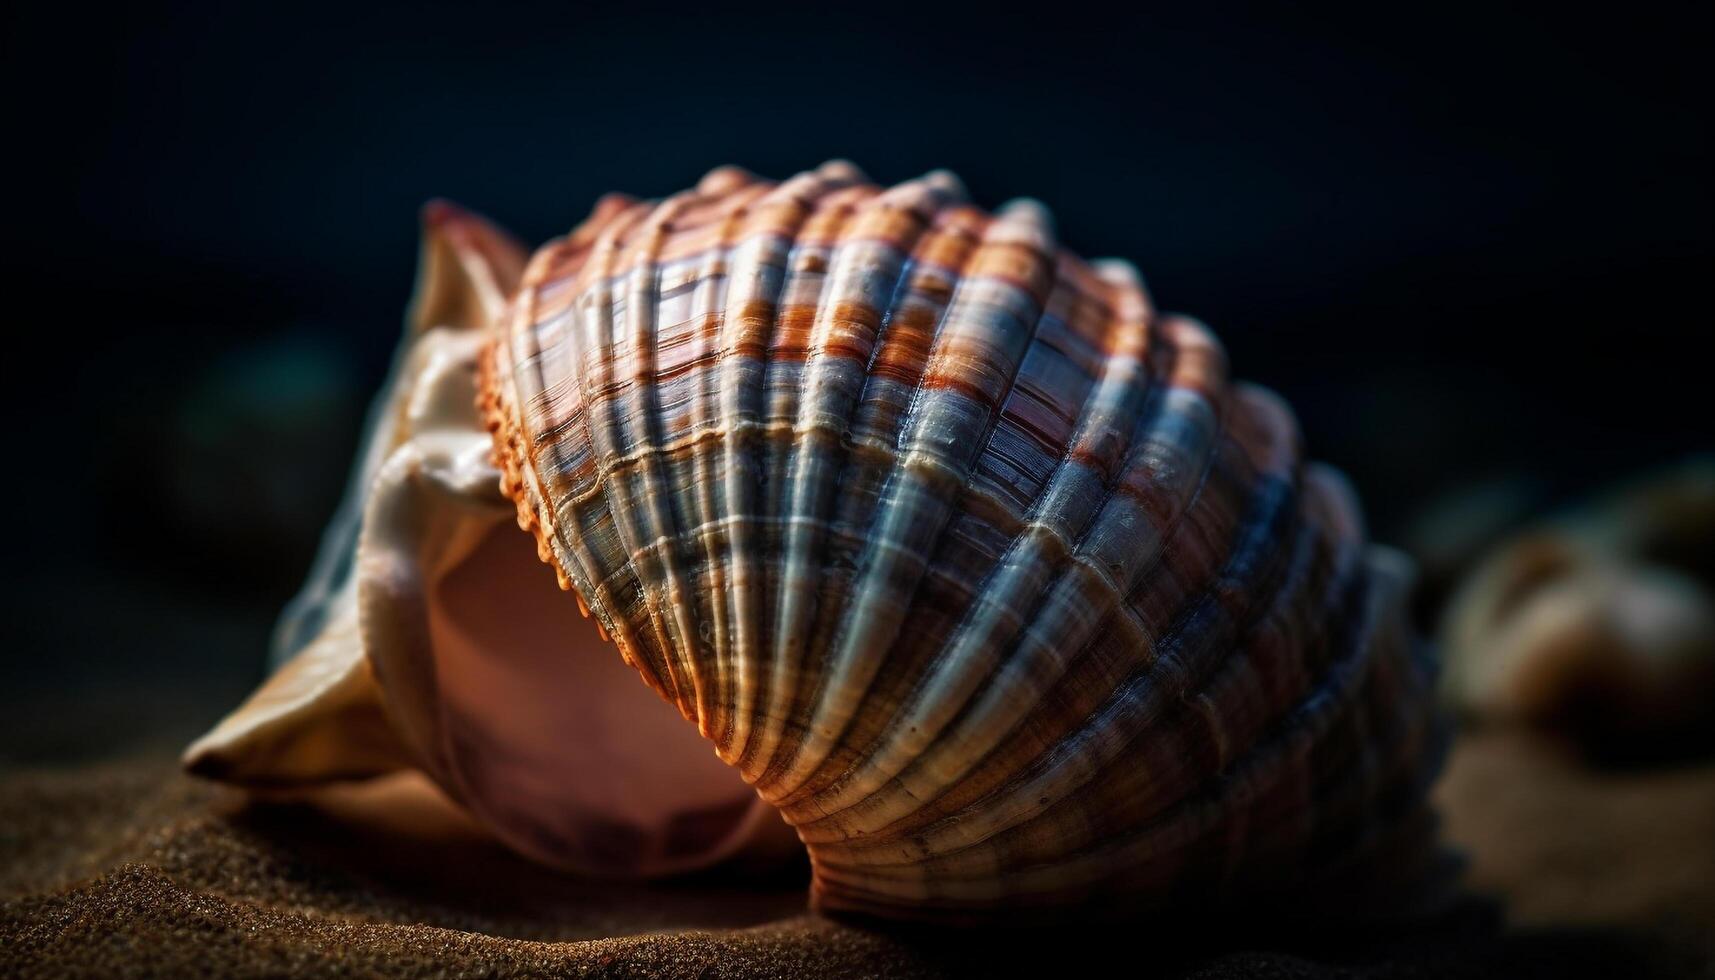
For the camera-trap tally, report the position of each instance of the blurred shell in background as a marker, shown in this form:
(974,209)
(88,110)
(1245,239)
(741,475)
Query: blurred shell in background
(1599,623)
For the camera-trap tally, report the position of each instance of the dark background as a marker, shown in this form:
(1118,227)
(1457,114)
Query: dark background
(1468,242)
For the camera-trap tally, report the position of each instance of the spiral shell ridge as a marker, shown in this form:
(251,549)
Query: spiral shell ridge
(972,563)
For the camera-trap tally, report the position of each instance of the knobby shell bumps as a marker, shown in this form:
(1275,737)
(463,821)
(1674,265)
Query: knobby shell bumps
(973,566)
(971,563)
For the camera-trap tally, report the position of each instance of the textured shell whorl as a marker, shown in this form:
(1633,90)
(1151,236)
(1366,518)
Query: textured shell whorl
(973,564)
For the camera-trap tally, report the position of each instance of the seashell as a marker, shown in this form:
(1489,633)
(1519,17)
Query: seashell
(1599,622)
(972,565)
(429,637)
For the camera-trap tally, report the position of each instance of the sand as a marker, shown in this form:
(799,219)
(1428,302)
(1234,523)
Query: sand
(130,869)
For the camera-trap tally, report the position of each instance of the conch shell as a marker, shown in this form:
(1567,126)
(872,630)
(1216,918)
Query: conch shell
(975,567)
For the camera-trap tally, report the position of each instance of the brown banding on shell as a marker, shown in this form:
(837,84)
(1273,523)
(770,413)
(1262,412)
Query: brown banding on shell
(967,559)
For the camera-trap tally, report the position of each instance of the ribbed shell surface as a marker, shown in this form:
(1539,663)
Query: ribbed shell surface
(971,562)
